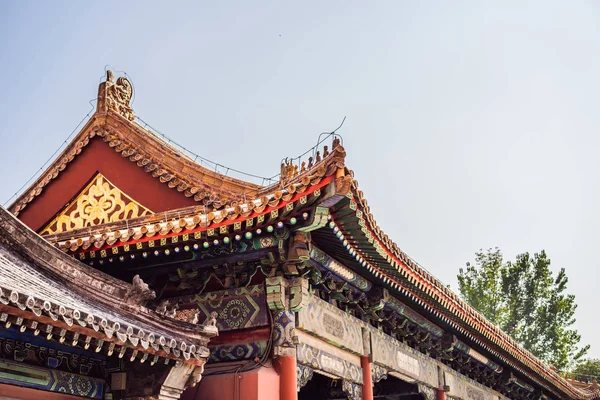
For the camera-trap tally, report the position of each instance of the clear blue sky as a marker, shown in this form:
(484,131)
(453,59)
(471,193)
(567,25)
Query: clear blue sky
(470,124)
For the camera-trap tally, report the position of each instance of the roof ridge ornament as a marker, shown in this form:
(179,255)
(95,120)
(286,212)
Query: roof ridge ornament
(293,168)
(139,293)
(116,96)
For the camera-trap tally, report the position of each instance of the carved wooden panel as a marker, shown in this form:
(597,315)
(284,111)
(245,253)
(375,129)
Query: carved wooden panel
(465,388)
(329,323)
(98,203)
(398,357)
(330,364)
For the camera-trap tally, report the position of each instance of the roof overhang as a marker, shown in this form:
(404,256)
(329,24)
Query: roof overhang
(43,290)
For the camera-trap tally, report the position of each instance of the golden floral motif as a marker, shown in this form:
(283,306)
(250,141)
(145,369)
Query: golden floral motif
(99,203)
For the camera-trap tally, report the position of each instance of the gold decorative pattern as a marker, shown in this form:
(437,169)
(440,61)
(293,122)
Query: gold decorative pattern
(174,222)
(99,203)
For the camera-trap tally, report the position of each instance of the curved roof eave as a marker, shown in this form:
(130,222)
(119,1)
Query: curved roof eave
(40,283)
(438,299)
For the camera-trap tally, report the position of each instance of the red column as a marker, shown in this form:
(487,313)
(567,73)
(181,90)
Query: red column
(440,395)
(367,389)
(288,387)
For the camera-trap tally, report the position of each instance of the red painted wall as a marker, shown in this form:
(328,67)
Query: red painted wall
(259,384)
(241,336)
(98,156)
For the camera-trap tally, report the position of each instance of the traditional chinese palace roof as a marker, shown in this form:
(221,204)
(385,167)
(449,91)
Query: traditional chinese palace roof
(133,195)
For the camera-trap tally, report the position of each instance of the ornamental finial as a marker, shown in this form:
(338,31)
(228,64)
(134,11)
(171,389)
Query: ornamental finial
(116,96)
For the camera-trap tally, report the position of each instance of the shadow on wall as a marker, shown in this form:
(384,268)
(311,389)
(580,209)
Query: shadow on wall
(259,384)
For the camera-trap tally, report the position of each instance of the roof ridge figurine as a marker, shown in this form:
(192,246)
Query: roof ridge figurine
(139,293)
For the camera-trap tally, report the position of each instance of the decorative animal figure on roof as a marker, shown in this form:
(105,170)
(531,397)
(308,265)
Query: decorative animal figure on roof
(288,170)
(212,321)
(336,142)
(193,318)
(139,293)
(172,312)
(162,307)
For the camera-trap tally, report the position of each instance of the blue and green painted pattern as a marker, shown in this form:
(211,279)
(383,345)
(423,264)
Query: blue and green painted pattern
(50,380)
(239,308)
(237,352)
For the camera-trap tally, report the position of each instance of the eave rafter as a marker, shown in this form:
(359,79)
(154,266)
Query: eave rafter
(192,224)
(333,281)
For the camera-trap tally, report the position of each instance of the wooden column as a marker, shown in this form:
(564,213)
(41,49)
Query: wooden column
(440,394)
(288,389)
(283,311)
(367,389)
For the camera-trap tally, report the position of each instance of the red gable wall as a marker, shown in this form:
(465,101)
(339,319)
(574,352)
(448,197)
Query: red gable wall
(96,157)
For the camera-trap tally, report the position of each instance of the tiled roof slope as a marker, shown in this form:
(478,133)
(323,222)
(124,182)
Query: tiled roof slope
(145,150)
(42,286)
(438,299)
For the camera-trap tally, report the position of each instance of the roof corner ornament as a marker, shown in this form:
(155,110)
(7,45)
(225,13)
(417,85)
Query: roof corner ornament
(139,293)
(343,180)
(162,307)
(194,317)
(288,171)
(212,321)
(209,325)
(293,168)
(336,142)
(116,96)
(165,309)
(343,184)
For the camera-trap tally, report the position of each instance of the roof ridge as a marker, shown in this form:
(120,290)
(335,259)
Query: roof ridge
(116,124)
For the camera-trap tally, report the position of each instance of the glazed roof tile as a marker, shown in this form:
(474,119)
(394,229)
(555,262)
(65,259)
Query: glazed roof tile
(39,283)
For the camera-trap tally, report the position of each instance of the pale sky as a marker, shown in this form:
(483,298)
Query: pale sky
(469,124)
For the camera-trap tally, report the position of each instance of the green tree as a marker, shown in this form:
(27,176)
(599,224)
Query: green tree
(527,301)
(589,368)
